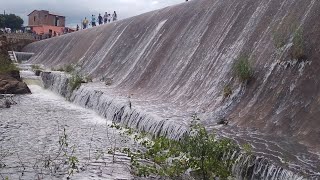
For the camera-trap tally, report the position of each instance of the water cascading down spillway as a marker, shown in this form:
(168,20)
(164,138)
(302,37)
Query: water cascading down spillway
(168,64)
(23,56)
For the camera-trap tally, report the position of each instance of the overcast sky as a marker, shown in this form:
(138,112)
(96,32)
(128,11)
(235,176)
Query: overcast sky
(75,10)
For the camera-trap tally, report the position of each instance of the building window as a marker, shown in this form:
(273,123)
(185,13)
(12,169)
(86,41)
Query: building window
(34,19)
(56,23)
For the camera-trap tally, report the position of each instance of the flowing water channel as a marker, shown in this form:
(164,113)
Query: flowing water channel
(30,131)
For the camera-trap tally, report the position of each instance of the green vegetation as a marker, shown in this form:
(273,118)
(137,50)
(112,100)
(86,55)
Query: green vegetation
(247,148)
(200,152)
(281,34)
(75,81)
(69,68)
(298,45)
(58,69)
(243,69)
(35,67)
(279,39)
(227,91)
(10,21)
(63,157)
(6,65)
(284,34)
(88,79)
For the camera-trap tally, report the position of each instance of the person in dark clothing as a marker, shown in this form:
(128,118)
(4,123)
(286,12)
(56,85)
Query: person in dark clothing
(77,27)
(100,19)
(114,16)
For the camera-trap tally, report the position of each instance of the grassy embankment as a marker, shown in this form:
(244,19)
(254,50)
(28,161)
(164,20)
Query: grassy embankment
(6,65)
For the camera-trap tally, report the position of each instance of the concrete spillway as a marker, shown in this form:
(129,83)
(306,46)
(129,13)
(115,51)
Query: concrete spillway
(176,61)
(23,56)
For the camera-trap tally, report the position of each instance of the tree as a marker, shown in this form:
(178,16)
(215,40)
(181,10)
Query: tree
(11,21)
(2,21)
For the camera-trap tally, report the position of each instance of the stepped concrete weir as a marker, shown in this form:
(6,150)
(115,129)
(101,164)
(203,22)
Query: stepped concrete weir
(166,65)
(23,56)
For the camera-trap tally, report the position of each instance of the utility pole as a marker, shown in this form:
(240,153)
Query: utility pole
(4,12)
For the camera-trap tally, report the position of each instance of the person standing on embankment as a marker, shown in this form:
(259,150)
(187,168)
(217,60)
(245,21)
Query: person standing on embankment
(85,23)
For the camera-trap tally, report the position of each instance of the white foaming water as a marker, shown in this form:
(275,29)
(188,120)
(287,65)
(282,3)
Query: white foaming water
(30,131)
(88,116)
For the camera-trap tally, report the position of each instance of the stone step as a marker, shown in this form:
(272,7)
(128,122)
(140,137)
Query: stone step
(12,56)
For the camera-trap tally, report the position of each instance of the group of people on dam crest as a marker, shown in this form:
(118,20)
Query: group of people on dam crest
(107,18)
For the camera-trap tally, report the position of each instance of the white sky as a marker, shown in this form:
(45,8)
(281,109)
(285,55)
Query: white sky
(75,10)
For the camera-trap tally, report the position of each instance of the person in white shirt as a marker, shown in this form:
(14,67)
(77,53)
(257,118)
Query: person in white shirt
(105,18)
(109,18)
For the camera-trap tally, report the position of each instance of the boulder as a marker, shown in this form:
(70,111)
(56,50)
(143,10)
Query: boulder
(37,72)
(11,85)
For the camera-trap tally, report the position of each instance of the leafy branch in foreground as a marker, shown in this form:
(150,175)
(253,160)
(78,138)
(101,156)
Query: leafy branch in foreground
(64,160)
(200,152)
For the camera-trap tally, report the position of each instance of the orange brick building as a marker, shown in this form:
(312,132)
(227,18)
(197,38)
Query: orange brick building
(38,18)
(46,25)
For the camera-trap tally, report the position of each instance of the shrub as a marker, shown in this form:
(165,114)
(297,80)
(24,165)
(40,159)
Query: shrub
(75,81)
(243,69)
(247,148)
(298,46)
(69,68)
(200,152)
(206,153)
(6,65)
(63,160)
(279,39)
(60,69)
(35,67)
(227,91)
(88,79)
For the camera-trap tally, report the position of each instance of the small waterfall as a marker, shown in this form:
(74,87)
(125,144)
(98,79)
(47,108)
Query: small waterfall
(119,110)
(251,167)
(57,82)
(23,56)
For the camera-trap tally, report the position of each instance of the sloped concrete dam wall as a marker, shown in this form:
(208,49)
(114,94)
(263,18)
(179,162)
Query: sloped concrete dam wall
(177,61)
